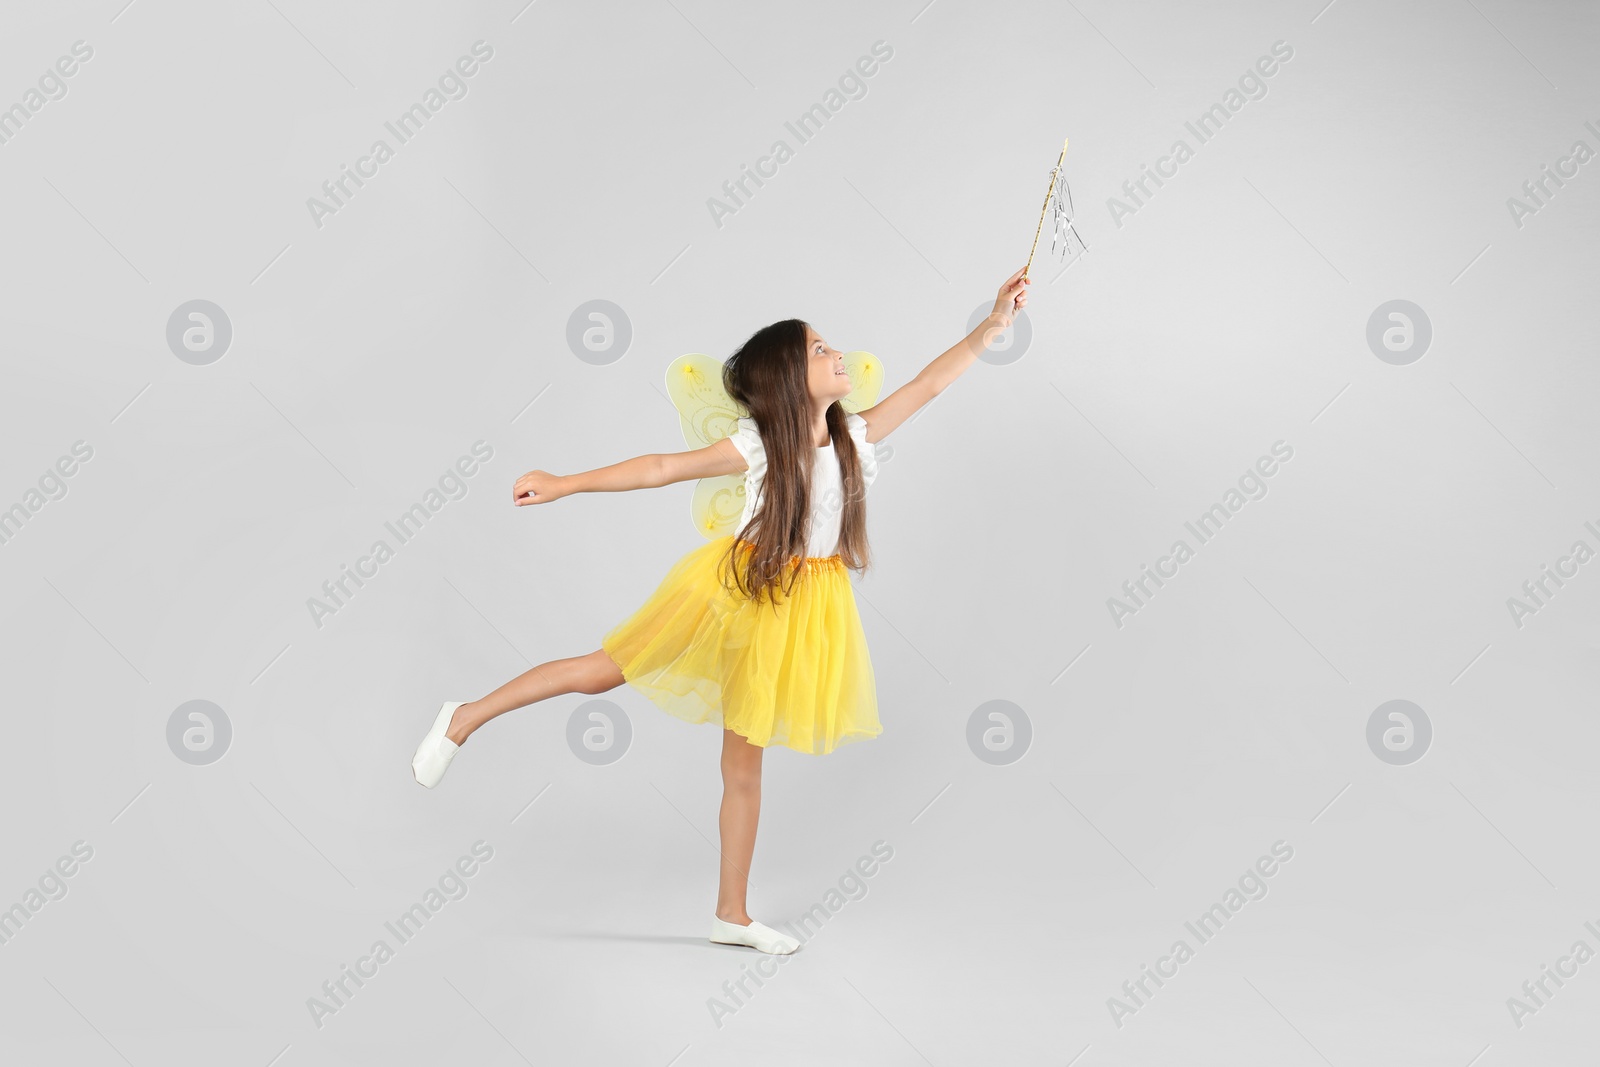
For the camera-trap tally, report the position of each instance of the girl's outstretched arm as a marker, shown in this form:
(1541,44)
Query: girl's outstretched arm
(640,472)
(906,401)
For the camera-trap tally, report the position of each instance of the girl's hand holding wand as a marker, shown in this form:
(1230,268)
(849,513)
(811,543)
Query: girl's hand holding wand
(1013,298)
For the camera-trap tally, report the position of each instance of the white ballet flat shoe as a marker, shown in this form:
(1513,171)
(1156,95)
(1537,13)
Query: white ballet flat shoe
(758,936)
(436,751)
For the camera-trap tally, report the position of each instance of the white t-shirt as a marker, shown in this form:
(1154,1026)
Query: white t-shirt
(827,489)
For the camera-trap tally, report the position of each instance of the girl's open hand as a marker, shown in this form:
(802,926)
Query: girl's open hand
(537,487)
(1013,297)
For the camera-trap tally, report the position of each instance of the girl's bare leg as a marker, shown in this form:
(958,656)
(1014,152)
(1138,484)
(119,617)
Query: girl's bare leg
(741,807)
(595,673)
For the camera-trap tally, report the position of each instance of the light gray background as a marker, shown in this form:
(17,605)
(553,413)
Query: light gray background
(1167,755)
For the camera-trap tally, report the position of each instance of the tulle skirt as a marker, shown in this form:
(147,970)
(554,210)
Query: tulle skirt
(791,670)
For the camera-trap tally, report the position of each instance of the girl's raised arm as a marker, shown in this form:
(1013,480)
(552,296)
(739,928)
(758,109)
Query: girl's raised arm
(906,401)
(640,472)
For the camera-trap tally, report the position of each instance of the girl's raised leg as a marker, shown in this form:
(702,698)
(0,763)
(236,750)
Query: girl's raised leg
(595,673)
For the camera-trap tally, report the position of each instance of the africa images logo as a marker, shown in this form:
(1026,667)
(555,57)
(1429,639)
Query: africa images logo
(452,85)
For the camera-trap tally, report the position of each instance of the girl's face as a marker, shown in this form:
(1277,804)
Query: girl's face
(825,374)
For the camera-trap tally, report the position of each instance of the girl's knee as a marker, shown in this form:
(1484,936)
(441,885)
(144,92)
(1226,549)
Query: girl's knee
(741,779)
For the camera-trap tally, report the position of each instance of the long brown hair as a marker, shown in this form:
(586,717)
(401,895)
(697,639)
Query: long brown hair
(767,375)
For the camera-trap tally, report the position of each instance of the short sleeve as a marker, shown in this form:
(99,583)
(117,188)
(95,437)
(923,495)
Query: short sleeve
(868,452)
(748,441)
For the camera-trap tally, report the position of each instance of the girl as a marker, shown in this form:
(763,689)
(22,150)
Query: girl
(755,631)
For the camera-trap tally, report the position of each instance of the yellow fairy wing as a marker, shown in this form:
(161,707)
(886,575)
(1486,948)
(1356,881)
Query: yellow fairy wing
(866,380)
(705,410)
(707,414)
(717,505)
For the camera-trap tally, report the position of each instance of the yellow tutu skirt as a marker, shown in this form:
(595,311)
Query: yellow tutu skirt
(799,676)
